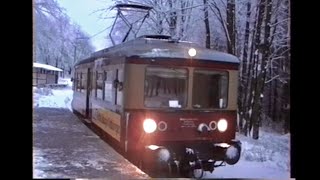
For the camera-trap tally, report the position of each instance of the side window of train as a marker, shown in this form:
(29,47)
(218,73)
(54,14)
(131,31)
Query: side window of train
(108,86)
(78,81)
(119,90)
(83,82)
(74,83)
(95,84)
(73,79)
(99,85)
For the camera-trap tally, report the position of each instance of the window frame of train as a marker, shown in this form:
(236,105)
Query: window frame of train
(119,79)
(175,102)
(107,88)
(221,96)
(110,95)
(102,75)
(84,80)
(78,83)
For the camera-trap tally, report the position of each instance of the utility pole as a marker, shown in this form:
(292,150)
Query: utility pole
(75,43)
(75,47)
(74,59)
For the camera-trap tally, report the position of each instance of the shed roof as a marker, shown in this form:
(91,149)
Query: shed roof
(46,66)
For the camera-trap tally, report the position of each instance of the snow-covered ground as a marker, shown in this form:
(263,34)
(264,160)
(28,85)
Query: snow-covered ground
(56,98)
(267,158)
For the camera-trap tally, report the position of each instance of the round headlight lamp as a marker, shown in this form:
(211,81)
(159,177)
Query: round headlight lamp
(222,125)
(149,125)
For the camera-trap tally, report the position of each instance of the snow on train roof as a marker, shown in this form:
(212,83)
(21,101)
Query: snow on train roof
(180,50)
(144,47)
(45,66)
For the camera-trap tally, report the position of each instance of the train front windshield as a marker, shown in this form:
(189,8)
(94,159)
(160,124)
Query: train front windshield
(168,88)
(210,89)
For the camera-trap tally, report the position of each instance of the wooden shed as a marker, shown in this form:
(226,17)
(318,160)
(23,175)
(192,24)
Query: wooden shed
(44,74)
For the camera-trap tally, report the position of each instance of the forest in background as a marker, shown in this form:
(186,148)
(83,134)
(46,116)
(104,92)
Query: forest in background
(256,31)
(57,40)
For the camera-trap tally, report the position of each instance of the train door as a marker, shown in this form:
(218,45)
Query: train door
(88,102)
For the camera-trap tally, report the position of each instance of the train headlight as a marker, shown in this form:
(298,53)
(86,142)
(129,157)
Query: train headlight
(192,52)
(222,125)
(149,125)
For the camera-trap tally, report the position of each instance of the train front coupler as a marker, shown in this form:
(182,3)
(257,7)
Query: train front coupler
(155,159)
(161,160)
(227,152)
(194,166)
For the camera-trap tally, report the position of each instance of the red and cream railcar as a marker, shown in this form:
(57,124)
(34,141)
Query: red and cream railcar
(169,104)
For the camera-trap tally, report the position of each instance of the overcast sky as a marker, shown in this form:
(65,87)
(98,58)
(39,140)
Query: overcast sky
(81,12)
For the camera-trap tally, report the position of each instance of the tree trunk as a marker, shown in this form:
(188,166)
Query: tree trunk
(249,88)
(244,74)
(231,26)
(287,85)
(256,82)
(57,59)
(286,107)
(260,81)
(207,25)
(172,20)
(185,18)
(277,103)
(270,91)
(159,21)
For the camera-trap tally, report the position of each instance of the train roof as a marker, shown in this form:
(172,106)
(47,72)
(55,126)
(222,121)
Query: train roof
(161,46)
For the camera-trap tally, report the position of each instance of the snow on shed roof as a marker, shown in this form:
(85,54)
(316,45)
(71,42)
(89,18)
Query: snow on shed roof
(45,66)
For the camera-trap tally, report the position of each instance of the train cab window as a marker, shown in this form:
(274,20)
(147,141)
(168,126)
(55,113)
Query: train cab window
(165,87)
(210,89)
(99,85)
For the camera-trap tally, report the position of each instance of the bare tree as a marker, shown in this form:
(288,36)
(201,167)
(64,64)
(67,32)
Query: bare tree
(258,32)
(207,25)
(231,26)
(225,14)
(243,71)
(55,36)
